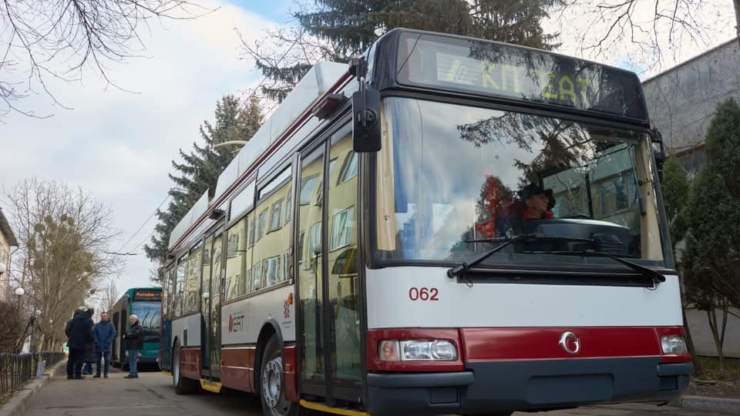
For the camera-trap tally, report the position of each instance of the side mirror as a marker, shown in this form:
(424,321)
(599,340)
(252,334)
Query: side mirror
(657,137)
(659,160)
(366,120)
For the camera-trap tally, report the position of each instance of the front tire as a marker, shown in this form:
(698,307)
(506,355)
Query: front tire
(272,386)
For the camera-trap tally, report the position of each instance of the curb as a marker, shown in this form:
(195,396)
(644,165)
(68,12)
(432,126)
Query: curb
(710,404)
(17,404)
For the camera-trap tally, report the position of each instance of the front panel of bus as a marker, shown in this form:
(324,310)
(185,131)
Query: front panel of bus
(551,320)
(146,304)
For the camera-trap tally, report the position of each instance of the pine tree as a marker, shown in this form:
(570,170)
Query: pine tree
(201,167)
(348,28)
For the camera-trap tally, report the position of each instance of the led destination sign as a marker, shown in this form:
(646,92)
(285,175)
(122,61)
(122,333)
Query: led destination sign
(155,295)
(521,74)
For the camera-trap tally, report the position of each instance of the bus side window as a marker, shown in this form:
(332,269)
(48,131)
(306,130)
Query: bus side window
(235,256)
(192,282)
(180,286)
(273,230)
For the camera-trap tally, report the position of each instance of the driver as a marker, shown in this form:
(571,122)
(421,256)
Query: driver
(537,202)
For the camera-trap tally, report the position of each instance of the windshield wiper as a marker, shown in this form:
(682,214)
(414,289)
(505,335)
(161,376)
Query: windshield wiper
(462,268)
(645,271)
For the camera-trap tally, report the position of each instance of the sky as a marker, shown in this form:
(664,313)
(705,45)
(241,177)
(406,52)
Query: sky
(119,145)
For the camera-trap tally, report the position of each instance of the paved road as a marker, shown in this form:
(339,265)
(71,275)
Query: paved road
(152,395)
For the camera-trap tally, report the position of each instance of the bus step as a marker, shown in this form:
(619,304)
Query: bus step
(212,386)
(334,410)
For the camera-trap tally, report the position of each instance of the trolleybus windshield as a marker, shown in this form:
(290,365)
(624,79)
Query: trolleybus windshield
(449,176)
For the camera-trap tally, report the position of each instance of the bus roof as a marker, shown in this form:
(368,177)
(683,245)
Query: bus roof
(323,77)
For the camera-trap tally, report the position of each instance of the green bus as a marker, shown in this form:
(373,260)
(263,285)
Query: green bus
(145,303)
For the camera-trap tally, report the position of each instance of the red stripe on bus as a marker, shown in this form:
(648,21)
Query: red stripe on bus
(375,336)
(190,363)
(289,366)
(492,344)
(237,368)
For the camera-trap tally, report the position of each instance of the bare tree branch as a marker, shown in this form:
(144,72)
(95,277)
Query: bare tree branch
(654,28)
(60,38)
(64,236)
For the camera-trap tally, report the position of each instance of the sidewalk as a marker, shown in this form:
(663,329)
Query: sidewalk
(19,401)
(152,395)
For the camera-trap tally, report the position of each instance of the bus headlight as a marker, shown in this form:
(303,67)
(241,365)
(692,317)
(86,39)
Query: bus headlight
(673,344)
(417,350)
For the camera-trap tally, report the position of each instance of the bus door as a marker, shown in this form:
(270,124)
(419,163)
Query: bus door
(211,305)
(330,340)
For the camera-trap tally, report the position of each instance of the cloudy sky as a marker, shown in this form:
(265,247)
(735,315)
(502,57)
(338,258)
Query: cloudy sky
(118,145)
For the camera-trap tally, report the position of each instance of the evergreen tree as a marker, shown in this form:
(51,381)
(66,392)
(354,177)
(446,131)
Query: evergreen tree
(348,28)
(712,260)
(201,167)
(723,145)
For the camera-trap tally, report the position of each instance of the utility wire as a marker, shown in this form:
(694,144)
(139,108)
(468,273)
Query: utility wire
(142,225)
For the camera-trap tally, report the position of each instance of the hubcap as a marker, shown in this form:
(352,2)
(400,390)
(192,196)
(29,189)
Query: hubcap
(272,387)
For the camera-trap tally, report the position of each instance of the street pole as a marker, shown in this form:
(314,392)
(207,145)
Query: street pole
(33,336)
(34,323)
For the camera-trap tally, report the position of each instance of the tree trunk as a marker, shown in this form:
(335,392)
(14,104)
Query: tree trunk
(718,338)
(698,369)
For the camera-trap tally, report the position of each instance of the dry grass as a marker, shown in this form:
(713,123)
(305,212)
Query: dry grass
(712,371)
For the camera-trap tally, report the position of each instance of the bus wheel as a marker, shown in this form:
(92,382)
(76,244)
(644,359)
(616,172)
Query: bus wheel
(182,384)
(272,389)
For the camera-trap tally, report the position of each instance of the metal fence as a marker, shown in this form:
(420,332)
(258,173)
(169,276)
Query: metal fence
(17,369)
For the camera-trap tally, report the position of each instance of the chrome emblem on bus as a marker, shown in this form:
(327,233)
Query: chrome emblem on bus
(570,342)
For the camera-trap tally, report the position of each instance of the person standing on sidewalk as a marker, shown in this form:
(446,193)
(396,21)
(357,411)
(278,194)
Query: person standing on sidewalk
(135,342)
(89,350)
(79,333)
(103,335)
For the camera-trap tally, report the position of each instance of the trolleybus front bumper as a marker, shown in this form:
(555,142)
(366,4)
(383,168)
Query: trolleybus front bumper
(494,386)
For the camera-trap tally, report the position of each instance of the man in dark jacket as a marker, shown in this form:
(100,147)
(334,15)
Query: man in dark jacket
(135,342)
(103,334)
(79,333)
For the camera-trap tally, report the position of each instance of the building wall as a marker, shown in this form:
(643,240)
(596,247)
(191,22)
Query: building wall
(682,101)
(702,334)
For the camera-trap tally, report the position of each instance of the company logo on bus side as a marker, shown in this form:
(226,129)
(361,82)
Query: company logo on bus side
(236,322)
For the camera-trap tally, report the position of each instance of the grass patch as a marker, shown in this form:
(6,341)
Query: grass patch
(710,365)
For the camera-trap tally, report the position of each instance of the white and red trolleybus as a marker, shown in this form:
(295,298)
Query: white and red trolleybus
(445,226)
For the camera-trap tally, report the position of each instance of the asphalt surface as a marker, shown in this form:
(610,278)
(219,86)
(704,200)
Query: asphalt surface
(152,394)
